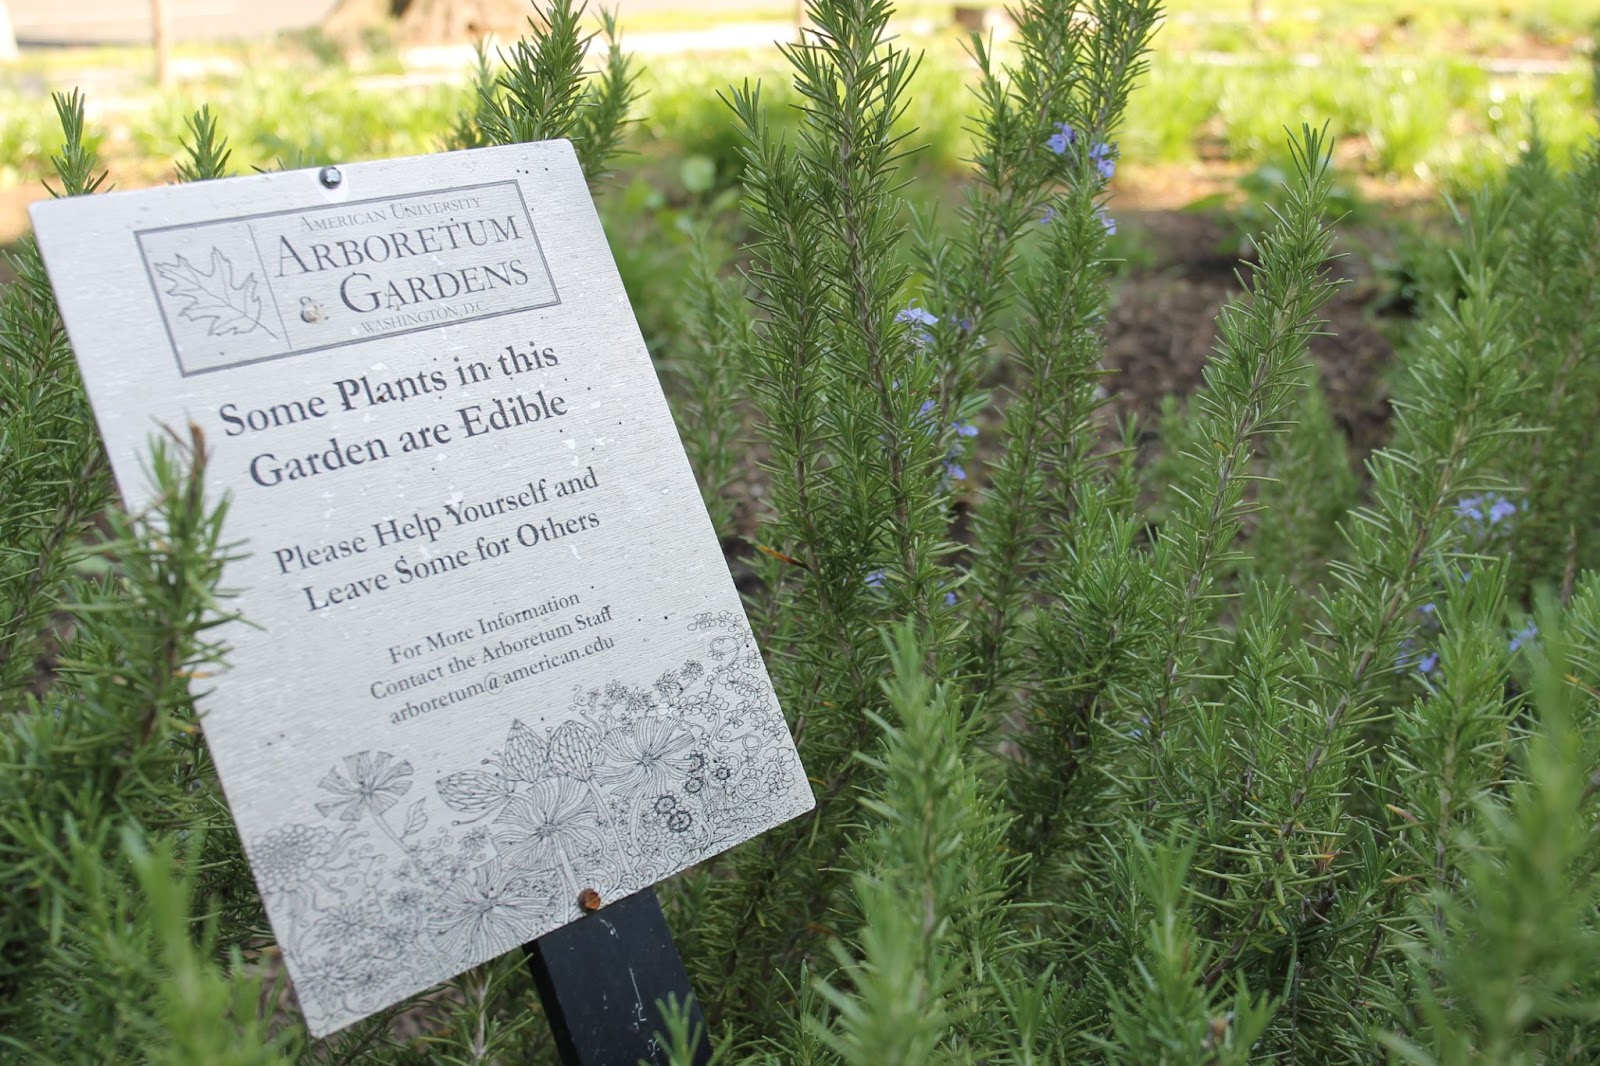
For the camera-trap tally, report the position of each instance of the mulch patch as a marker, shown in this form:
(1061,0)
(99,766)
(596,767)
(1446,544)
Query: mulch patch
(1161,330)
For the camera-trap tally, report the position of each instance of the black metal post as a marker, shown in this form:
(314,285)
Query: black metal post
(600,978)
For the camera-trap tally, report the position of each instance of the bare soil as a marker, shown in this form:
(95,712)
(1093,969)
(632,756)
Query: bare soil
(1161,330)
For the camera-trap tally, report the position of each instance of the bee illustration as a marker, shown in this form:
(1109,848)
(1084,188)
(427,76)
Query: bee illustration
(311,311)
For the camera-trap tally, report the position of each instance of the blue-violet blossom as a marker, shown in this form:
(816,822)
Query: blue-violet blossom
(920,318)
(1524,636)
(1489,509)
(1103,156)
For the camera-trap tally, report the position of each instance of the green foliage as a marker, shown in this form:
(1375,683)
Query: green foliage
(1241,756)
(1059,302)
(184,968)
(930,887)
(1434,117)
(1551,244)
(99,769)
(1417,108)
(1170,1015)
(1261,193)
(1249,387)
(205,149)
(541,94)
(1499,959)
(1310,485)
(717,329)
(53,475)
(303,118)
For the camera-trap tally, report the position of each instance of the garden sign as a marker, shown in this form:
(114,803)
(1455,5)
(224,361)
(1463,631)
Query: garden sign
(492,657)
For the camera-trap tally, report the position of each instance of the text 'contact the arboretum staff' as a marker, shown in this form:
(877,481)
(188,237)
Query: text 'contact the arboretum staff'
(496,680)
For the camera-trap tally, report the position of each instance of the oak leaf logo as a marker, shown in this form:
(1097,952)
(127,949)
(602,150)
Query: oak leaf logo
(228,309)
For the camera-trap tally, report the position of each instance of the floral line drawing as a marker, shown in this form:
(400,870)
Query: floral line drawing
(632,783)
(228,309)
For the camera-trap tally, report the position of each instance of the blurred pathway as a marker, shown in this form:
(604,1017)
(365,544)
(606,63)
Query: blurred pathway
(80,22)
(77,22)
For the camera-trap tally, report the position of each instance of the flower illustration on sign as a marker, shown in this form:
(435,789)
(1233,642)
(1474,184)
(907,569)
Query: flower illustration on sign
(349,924)
(647,758)
(298,860)
(476,792)
(486,912)
(556,819)
(228,309)
(375,783)
(633,783)
(523,758)
(573,749)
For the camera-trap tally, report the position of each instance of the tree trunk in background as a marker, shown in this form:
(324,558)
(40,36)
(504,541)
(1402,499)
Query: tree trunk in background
(441,21)
(8,38)
(431,21)
(356,15)
(160,34)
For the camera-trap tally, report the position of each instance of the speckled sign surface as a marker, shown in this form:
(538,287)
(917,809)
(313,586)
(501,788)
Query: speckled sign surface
(495,657)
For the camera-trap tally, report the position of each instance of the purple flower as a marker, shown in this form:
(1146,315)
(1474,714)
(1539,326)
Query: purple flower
(956,471)
(1103,156)
(949,599)
(1487,510)
(1524,636)
(1106,220)
(920,319)
(875,579)
(1064,137)
(1428,663)
(1048,217)
(964,428)
(1404,658)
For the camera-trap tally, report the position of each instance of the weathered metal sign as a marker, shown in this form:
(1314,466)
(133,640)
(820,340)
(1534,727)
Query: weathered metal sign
(494,656)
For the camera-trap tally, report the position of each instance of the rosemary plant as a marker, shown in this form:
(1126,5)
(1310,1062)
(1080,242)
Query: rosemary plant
(1242,756)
